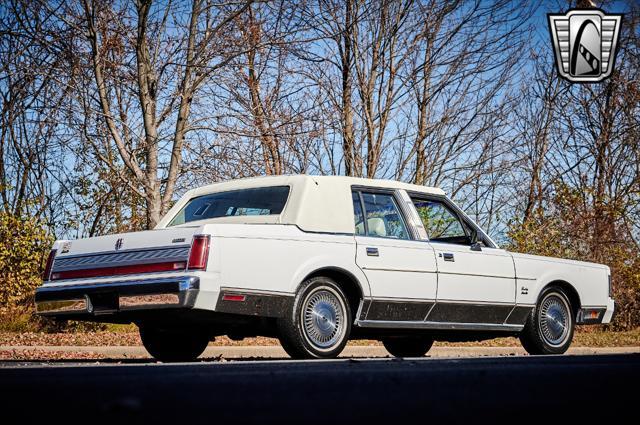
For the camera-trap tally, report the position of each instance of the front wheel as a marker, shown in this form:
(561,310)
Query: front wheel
(549,327)
(320,322)
(407,346)
(173,345)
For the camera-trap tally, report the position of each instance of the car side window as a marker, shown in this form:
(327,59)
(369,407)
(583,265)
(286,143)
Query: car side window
(441,224)
(382,216)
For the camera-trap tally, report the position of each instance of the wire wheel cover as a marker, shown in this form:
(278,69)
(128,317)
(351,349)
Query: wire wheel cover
(323,318)
(554,319)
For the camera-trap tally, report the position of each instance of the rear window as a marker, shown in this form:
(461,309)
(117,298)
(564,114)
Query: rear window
(258,201)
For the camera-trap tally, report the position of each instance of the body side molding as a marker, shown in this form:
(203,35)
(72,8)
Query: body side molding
(385,324)
(398,310)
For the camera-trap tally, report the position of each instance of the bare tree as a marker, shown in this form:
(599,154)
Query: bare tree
(460,68)
(30,96)
(536,122)
(192,58)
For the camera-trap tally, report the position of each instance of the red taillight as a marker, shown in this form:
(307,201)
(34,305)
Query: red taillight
(47,269)
(199,252)
(120,270)
(233,297)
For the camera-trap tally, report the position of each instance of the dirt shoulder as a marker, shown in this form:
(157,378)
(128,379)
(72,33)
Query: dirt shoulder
(131,338)
(13,356)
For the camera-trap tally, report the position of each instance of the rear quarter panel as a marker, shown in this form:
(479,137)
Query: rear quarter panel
(277,257)
(535,273)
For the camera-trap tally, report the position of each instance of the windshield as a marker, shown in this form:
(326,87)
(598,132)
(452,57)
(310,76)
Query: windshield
(257,201)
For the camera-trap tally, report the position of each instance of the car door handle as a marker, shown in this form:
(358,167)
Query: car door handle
(447,256)
(372,252)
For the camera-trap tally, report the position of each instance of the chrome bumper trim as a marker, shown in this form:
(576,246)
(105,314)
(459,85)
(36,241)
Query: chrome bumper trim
(150,300)
(608,315)
(114,297)
(185,282)
(82,305)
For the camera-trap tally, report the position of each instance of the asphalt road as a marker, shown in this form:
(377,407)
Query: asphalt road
(554,389)
(116,354)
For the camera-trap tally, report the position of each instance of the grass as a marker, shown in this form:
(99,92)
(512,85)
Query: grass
(21,319)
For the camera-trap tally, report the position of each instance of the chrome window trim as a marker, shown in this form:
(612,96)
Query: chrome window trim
(394,193)
(461,215)
(197,222)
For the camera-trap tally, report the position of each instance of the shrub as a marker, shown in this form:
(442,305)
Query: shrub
(24,246)
(569,227)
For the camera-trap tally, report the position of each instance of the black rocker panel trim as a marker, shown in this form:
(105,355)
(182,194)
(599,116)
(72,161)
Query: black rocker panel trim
(398,310)
(365,309)
(255,304)
(519,315)
(469,313)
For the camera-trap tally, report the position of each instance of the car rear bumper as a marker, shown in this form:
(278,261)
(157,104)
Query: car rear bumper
(66,301)
(596,315)
(608,314)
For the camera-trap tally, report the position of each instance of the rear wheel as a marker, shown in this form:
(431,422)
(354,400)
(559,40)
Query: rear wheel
(172,344)
(320,322)
(549,327)
(407,346)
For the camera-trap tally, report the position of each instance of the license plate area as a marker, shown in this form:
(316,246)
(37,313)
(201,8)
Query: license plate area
(104,302)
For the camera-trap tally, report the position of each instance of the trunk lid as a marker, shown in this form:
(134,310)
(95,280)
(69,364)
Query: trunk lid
(127,241)
(158,250)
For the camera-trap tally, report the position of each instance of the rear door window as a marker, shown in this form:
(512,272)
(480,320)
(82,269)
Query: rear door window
(382,217)
(358,215)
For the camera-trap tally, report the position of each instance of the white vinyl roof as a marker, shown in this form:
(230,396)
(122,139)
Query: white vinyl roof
(315,203)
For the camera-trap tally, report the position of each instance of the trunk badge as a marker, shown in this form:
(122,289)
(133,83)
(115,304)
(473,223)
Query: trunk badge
(119,244)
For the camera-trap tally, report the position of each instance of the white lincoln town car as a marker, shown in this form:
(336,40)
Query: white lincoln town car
(316,261)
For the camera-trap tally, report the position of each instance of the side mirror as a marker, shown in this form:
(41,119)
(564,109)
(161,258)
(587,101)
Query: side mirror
(475,244)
